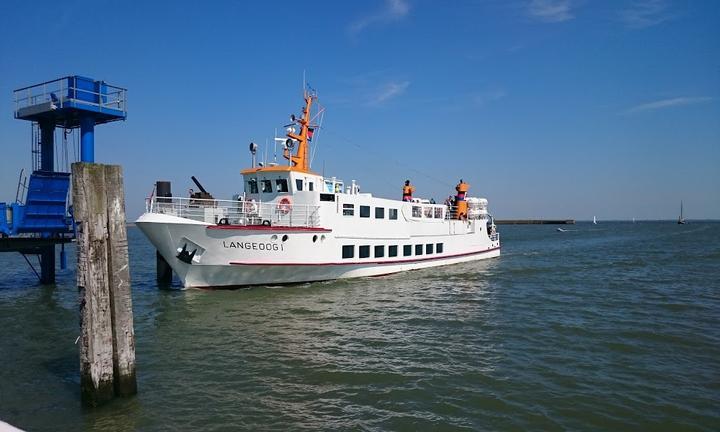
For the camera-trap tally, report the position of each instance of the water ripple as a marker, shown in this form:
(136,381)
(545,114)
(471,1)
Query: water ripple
(612,328)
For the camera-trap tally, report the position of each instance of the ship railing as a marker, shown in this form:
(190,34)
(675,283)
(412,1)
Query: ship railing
(452,211)
(231,212)
(64,91)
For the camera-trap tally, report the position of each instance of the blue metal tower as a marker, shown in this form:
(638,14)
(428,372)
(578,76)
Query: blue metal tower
(72,102)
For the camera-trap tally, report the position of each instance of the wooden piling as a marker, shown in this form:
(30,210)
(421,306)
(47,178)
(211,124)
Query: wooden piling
(163,190)
(47,265)
(120,295)
(164,271)
(107,342)
(96,341)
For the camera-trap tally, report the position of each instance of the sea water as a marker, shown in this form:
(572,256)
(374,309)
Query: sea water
(614,326)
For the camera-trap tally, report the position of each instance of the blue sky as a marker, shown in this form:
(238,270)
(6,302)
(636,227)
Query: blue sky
(547,108)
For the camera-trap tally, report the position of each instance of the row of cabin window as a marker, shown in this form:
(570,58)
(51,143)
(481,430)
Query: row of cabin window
(281,185)
(428,212)
(348,251)
(349,210)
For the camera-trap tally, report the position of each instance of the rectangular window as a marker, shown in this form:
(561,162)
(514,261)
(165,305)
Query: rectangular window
(418,249)
(438,212)
(379,213)
(428,211)
(379,251)
(429,248)
(311,186)
(364,211)
(392,251)
(439,247)
(348,251)
(407,250)
(416,212)
(348,209)
(364,251)
(266,186)
(298,184)
(326,197)
(392,214)
(282,185)
(253,186)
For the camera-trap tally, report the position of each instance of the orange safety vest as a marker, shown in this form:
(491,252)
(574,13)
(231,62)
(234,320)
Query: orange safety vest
(407,191)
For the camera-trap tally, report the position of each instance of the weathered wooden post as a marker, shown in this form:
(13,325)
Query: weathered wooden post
(96,346)
(120,295)
(107,340)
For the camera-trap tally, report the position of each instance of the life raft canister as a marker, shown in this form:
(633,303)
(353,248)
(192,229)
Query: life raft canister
(284,205)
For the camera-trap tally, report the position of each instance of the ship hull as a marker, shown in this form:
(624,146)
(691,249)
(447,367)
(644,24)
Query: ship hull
(206,255)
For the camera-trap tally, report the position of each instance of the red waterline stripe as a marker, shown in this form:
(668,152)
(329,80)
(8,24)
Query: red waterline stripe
(267,228)
(369,262)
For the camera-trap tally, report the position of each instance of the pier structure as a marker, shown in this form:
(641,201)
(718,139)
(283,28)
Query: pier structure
(35,225)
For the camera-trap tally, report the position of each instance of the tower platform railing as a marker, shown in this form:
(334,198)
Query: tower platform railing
(70,92)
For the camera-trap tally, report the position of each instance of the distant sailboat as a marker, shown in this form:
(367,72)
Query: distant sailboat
(594,221)
(681,219)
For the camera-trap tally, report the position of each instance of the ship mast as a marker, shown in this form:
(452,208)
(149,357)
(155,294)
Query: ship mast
(301,160)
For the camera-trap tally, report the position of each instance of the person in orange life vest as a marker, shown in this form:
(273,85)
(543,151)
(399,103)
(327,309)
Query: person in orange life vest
(407,191)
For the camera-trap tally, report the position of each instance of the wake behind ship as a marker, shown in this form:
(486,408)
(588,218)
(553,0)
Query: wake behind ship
(292,225)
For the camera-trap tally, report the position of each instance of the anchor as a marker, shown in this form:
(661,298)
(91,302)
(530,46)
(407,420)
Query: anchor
(186,256)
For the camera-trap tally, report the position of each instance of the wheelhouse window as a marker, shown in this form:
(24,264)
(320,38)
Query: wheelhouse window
(418,249)
(266,186)
(379,212)
(407,250)
(392,251)
(282,185)
(438,212)
(348,251)
(416,212)
(252,186)
(429,248)
(392,214)
(348,209)
(298,184)
(364,211)
(439,247)
(379,251)
(364,251)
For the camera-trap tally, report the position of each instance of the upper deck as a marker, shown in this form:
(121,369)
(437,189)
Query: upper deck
(61,100)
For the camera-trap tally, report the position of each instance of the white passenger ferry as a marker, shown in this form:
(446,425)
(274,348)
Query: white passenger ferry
(292,225)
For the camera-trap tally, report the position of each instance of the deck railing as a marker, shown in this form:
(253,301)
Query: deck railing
(62,91)
(236,212)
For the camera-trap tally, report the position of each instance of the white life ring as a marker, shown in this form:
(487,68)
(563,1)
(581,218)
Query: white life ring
(250,207)
(284,205)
